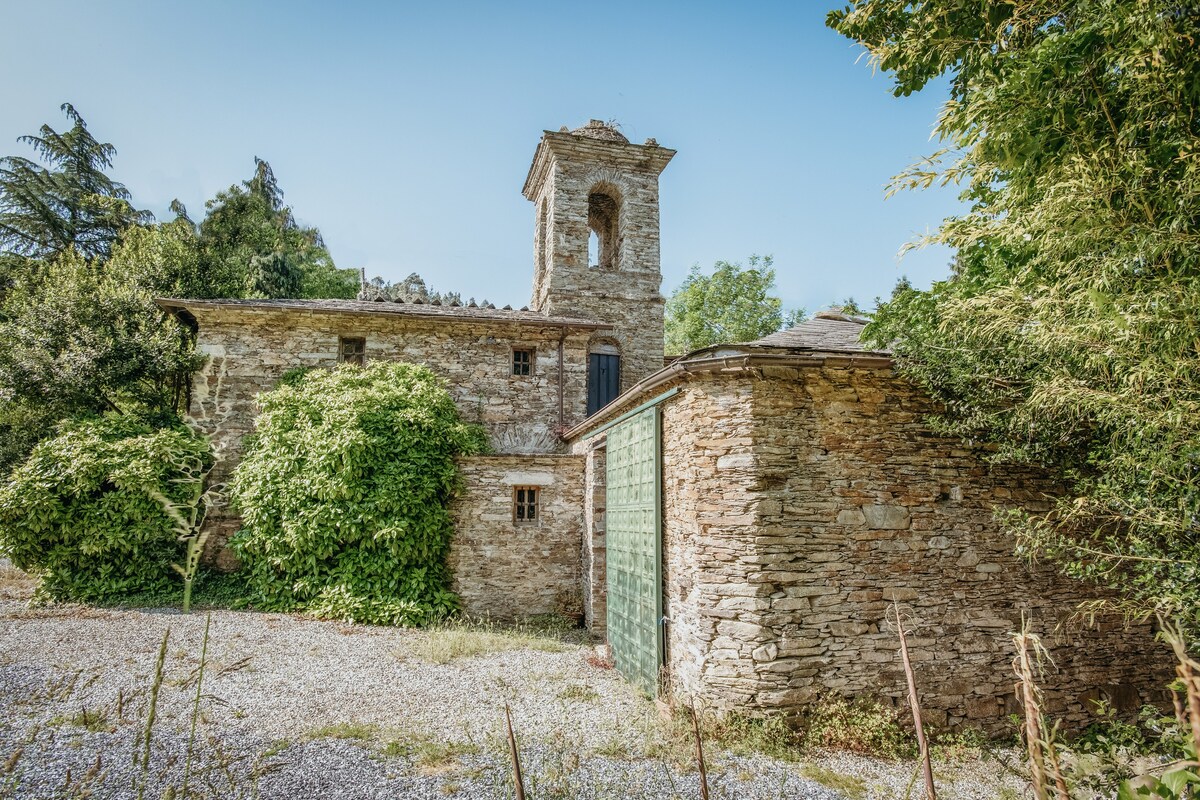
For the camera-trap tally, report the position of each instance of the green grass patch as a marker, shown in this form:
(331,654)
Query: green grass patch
(861,726)
(853,787)
(429,754)
(344,730)
(94,721)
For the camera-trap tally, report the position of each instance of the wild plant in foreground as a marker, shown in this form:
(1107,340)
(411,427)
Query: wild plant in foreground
(518,780)
(187,764)
(144,740)
(187,515)
(915,703)
(1054,778)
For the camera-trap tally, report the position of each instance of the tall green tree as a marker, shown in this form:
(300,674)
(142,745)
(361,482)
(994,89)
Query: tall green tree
(80,268)
(1068,333)
(84,337)
(252,246)
(733,304)
(65,199)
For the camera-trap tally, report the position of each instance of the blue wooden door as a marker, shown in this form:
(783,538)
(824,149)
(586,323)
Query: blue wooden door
(604,380)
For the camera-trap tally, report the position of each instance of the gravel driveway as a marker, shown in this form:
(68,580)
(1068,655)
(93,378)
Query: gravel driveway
(298,708)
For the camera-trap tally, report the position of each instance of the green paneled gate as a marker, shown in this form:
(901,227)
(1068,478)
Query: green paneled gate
(633,517)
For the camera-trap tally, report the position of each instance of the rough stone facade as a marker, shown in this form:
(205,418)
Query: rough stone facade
(595,577)
(589,180)
(800,502)
(593,180)
(249,348)
(506,569)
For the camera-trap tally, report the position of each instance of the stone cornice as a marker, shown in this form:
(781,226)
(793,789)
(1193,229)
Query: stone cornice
(556,144)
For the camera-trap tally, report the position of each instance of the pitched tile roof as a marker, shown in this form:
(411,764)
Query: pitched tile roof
(387,307)
(827,331)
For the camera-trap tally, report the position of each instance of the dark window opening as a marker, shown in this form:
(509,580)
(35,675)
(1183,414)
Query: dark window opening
(604,380)
(525,504)
(352,350)
(522,362)
(603,213)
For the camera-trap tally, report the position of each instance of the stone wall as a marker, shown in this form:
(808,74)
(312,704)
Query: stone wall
(508,570)
(709,572)
(595,548)
(249,349)
(798,503)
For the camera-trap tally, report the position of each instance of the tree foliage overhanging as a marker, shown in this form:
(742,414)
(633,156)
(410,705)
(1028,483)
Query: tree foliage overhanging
(343,493)
(733,304)
(1068,333)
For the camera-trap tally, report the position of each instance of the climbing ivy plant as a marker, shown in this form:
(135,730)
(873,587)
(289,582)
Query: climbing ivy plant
(344,490)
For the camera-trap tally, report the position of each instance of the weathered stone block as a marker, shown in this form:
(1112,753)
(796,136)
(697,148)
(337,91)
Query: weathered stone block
(891,518)
(851,517)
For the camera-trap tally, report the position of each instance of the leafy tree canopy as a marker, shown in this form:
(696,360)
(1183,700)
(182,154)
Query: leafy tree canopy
(1067,333)
(733,304)
(252,246)
(80,268)
(83,337)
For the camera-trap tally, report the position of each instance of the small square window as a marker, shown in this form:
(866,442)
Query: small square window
(522,362)
(352,350)
(525,504)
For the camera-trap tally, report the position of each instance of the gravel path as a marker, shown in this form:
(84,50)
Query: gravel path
(299,708)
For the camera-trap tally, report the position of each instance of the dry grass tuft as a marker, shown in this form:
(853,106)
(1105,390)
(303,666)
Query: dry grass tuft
(467,640)
(15,584)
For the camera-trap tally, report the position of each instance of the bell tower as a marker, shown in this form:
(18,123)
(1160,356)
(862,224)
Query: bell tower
(596,245)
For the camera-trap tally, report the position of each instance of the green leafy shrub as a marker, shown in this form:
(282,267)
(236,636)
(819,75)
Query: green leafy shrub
(860,726)
(344,491)
(80,513)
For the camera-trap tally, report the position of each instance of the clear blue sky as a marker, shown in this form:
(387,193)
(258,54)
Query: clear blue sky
(404,131)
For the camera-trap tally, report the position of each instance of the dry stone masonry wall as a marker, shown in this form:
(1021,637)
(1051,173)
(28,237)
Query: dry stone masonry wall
(799,504)
(504,569)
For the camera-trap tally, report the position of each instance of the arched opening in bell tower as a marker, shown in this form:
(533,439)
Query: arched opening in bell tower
(604,211)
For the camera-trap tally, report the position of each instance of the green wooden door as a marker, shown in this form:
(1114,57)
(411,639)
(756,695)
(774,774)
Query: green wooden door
(634,548)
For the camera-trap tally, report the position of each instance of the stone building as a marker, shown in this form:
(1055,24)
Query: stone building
(736,523)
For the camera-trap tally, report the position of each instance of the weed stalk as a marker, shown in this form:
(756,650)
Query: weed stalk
(148,731)
(1039,740)
(187,764)
(915,703)
(518,780)
(699,753)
